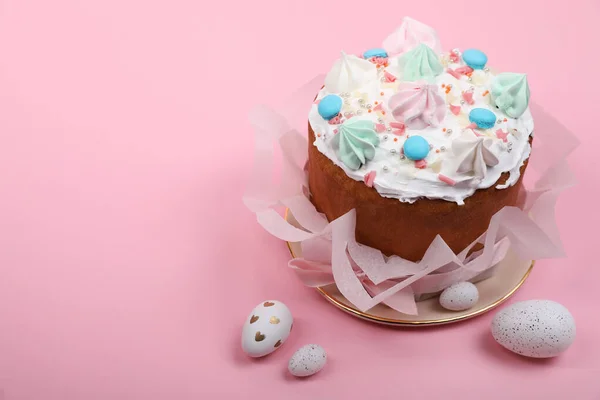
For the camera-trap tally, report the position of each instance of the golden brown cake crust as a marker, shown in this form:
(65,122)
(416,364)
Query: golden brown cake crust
(399,228)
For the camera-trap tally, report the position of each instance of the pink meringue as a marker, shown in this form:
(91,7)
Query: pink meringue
(418,105)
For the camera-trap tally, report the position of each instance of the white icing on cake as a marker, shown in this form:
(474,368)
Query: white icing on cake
(398,177)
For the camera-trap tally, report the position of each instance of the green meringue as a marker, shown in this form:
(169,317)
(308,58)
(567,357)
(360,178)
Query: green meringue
(420,63)
(510,93)
(356,142)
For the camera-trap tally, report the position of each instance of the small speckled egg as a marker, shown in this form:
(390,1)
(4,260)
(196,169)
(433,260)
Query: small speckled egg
(474,58)
(307,360)
(534,328)
(266,328)
(460,296)
(330,106)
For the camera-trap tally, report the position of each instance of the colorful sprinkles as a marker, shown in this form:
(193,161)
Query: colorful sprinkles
(370,178)
(416,147)
(500,134)
(447,180)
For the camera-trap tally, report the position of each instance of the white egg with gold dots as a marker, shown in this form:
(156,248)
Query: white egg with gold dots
(266,328)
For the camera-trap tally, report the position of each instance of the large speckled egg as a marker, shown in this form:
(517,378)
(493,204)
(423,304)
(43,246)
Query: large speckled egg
(266,328)
(460,296)
(307,360)
(534,328)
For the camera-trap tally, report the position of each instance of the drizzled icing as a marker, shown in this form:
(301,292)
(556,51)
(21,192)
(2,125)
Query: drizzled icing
(418,105)
(462,158)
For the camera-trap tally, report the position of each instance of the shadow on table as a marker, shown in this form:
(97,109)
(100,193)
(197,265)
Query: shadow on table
(488,345)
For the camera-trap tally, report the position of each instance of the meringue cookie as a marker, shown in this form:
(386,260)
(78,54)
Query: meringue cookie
(409,35)
(510,93)
(418,105)
(356,142)
(350,73)
(473,156)
(420,63)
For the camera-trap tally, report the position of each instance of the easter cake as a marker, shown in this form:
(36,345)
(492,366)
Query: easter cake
(420,141)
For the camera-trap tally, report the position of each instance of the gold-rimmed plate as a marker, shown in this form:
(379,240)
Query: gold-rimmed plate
(510,274)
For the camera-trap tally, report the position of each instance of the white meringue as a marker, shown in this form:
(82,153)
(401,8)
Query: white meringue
(350,73)
(409,35)
(473,155)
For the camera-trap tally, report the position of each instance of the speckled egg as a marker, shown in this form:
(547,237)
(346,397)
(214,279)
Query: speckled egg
(460,296)
(266,328)
(534,328)
(307,360)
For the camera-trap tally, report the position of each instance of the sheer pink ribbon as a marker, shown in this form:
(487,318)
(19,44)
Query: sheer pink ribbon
(364,275)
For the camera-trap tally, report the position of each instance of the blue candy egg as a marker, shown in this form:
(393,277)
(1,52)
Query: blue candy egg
(484,118)
(474,58)
(416,148)
(330,106)
(375,53)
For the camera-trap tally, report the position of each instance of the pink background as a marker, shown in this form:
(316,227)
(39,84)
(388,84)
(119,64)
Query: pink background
(128,262)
